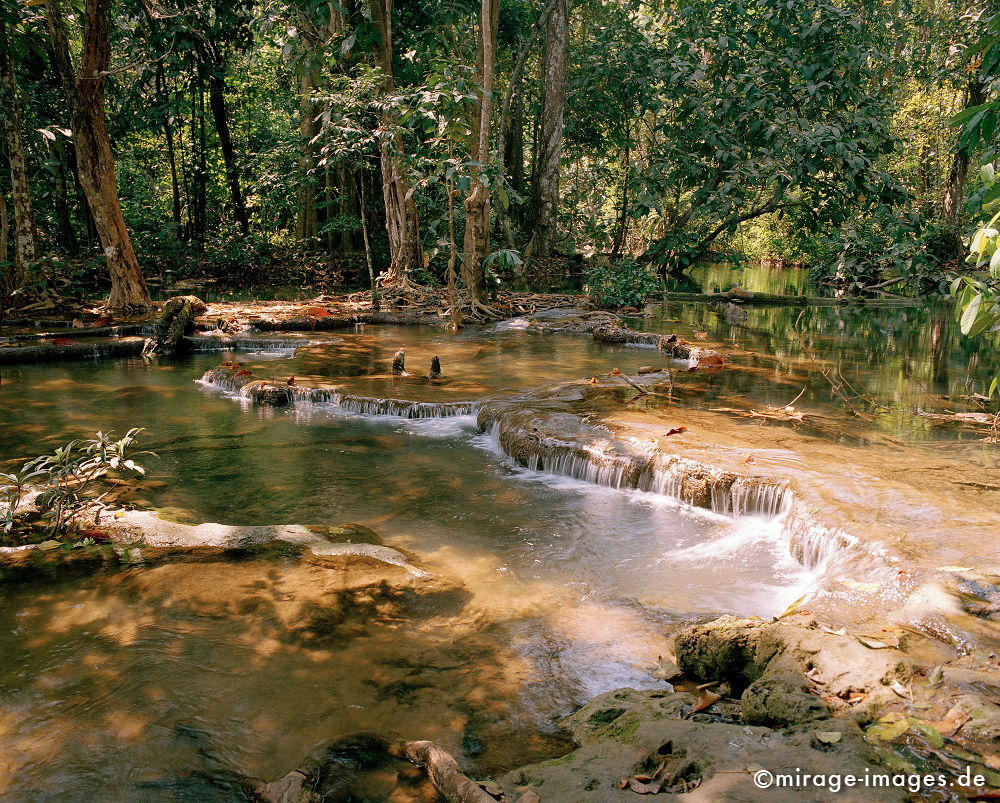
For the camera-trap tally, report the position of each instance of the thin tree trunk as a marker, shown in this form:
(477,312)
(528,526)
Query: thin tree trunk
(305,224)
(545,191)
(401,220)
(11,111)
(85,94)
(368,250)
(60,200)
(220,114)
(168,133)
(622,228)
(477,204)
(954,190)
(5,285)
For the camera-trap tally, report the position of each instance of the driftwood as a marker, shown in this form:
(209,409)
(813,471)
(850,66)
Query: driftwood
(176,321)
(747,297)
(677,347)
(435,372)
(449,780)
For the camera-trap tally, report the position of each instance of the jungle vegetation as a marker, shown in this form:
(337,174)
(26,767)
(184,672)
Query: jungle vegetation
(474,145)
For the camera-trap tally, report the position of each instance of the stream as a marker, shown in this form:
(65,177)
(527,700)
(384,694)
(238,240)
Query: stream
(169,682)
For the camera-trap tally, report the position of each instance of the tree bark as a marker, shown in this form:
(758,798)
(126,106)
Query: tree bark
(11,111)
(477,205)
(5,285)
(85,95)
(954,189)
(220,114)
(168,133)
(401,220)
(545,189)
(305,224)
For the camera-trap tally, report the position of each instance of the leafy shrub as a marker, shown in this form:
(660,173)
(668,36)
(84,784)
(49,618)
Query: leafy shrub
(625,283)
(68,480)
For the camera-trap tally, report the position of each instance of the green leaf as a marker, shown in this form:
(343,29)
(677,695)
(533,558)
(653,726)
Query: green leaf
(971,313)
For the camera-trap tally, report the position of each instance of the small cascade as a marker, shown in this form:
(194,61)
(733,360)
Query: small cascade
(242,383)
(817,547)
(400,408)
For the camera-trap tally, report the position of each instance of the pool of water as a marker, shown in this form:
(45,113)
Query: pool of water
(174,680)
(876,370)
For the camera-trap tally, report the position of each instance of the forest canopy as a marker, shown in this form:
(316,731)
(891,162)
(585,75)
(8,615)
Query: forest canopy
(480,145)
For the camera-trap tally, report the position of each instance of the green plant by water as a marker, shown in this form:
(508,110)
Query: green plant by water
(68,482)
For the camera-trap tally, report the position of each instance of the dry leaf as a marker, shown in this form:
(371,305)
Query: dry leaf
(828,737)
(705,699)
(838,632)
(872,644)
(701,335)
(675,431)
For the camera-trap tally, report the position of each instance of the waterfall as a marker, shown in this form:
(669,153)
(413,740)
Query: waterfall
(813,544)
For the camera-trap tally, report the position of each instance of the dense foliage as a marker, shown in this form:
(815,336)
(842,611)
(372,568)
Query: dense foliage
(304,142)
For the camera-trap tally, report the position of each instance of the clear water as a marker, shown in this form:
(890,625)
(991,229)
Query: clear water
(166,682)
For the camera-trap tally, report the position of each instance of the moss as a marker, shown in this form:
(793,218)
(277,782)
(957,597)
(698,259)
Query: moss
(607,716)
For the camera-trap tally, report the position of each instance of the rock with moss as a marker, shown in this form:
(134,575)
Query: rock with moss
(176,320)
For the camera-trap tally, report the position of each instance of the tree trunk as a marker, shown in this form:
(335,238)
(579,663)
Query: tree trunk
(954,189)
(11,111)
(305,224)
(217,102)
(85,94)
(5,284)
(168,133)
(477,205)
(545,190)
(401,220)
(60,201)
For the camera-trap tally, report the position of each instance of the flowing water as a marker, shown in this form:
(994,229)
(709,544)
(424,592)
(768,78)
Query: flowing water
(170,682)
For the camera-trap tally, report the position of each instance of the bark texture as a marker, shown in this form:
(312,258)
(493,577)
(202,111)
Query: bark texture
(545,190)
(477,204)
(85,96)
(12,116)
(401,220)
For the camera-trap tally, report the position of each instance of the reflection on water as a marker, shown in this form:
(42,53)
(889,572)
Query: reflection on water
(723,276)
(174,681)
(885,365)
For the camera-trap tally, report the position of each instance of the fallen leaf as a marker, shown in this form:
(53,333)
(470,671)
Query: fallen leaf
(64,341)
(705,699)
(815,676)
(900,689)
(643,788)
(954,568)
(675,430)
(711,361)
(701,335)
(872,644)
(887,731)
(50,544)
(615,372)
(828,737)
(952,721)
(318,312)
(934,738)
(593,380)
(856,697)
(838,632)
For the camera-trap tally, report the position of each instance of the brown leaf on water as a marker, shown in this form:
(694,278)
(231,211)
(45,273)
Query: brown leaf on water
(593,380)
(711,361)
(643,788)
(705,699)
(318,312)
(951,723)
(615,372)
(701,335)
(675,431)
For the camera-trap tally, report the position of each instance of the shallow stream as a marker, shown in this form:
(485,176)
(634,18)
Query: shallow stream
(168,682)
